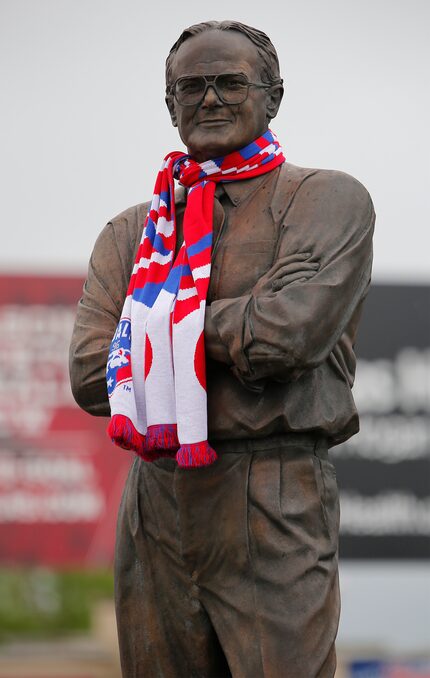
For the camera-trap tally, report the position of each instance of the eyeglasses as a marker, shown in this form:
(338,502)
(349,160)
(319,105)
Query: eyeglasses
(231,88)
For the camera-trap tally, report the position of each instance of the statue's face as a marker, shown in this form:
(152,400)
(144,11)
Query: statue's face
(212,128)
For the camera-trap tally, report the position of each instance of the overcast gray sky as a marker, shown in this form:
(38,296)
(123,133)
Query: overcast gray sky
(84,126)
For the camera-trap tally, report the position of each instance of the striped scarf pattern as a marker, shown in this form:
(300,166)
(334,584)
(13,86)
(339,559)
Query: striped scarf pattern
(156,375)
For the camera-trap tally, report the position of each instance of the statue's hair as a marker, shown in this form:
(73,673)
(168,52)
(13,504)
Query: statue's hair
(270,64)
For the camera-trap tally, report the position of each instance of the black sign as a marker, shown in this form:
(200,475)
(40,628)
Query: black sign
(384,471)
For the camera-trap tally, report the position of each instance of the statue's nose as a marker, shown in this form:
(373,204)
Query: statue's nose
(211,97)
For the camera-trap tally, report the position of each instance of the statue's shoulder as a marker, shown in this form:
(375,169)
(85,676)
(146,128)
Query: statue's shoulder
(320,179)
(129,223)
(308,183)
(131,220)
(117,242)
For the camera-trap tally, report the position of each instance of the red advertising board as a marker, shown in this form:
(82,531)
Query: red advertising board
(60,477)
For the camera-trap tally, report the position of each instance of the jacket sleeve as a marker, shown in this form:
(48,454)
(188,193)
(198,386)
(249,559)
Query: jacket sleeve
(99,310)
(280,334)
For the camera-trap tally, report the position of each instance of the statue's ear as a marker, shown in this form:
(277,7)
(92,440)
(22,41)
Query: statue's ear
(273,101)
(170,103)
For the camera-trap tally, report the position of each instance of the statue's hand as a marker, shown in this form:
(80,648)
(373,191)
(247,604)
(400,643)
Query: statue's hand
(292,268)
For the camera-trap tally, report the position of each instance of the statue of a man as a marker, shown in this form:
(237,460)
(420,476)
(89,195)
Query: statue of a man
(226,558)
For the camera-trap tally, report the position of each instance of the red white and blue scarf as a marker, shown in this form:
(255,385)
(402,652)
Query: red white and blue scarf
(156,374)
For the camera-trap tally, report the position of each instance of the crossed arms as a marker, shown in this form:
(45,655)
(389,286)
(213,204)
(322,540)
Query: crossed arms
(289,322)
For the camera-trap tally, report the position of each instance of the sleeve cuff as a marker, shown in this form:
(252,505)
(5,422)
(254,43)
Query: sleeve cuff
(230,319)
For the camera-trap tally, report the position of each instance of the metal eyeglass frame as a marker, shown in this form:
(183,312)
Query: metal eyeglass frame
(212,83)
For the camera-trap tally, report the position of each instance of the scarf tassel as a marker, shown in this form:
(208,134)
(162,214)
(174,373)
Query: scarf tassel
(196,454)
(162,437)
(123,433)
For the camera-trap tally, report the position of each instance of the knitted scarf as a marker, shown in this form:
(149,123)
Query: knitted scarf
(156,366)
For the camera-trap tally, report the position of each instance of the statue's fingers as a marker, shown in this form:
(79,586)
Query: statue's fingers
(290,259)
(296,267)
(300,275)
(292,277)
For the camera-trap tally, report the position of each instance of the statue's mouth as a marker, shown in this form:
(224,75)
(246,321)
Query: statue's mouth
(213,121)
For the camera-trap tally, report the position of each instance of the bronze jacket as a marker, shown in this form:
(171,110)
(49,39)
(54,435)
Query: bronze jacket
(278,361)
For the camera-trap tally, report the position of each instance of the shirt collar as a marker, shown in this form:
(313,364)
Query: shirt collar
(236,191)
(239,191)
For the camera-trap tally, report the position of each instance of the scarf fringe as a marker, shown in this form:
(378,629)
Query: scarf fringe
(123,433)
(196,454)
(153,455)
(162,437)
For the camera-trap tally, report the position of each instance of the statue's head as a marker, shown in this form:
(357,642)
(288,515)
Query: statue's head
(222,87)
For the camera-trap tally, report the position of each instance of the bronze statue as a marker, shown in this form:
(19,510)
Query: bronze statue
(231,569)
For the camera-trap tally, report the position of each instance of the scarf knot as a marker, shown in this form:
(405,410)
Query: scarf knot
(156,374)
(187,171)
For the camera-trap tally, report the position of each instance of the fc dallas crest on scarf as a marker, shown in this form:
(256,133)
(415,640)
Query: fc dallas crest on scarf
(156,374)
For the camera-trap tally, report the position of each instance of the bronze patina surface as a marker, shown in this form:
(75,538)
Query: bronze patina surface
(232,569)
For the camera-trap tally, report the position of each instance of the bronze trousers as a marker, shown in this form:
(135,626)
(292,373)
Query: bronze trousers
(230,569)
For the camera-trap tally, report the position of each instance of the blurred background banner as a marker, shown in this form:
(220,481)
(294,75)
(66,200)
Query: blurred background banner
(384,471)
(387,669)
(60,478)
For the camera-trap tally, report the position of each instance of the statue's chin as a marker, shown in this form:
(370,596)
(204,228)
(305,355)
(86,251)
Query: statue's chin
(212,141)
